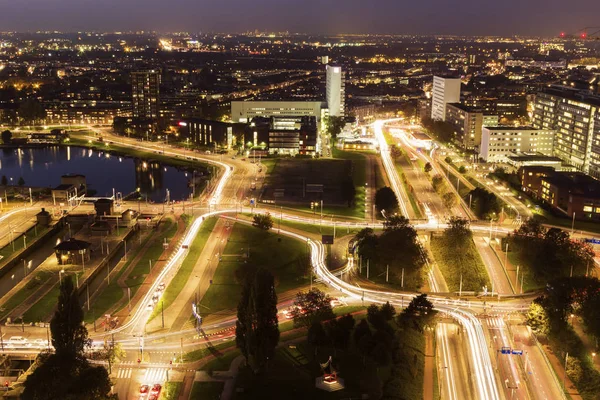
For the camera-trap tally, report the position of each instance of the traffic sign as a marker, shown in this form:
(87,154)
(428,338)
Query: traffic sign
(505,350)
(518,352)
(592,240)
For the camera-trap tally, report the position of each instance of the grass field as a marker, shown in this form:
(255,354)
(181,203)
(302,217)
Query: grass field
(30,288)
(179,280)
(455,264)
(30,235)
(172,390)
(411,197)
(281,255)
(529,280)
(131,152)
(207,390)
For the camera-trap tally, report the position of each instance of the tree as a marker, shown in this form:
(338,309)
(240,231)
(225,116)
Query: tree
(485,204)
(334,125)
(537,318)
(396,222)
(6,136)
(395,152)
(427,167)
(263,221)
(311,307)
(385,199)
(316,335)
(462,169)
(419,311)
(257,330)
(458,231)
(21,181)
(348,190)
(449,199)
(69,338)
(387,311)
(31,111)
(4,181)
(340,330)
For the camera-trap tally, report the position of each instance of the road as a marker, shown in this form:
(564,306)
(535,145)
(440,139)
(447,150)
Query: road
(495,270)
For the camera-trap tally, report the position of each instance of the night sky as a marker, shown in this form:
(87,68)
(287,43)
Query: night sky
(476,17)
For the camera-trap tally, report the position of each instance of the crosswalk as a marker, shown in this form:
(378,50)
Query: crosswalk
(148,376)
(495,322)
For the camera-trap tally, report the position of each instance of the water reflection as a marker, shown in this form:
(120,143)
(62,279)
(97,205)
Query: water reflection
(43,167)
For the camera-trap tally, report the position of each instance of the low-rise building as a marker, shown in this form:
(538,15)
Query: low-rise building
(207,132)
(497,143)
(245,111)
(293,135)
(531,177)
(573,193)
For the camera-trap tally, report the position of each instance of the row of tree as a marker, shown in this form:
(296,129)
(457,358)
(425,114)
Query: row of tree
(448,197)
(550,252)
(4,181)
(397,248)
(550,314)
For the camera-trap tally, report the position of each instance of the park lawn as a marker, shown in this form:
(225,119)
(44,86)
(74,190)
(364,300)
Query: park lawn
(222,362)
(140,271)
(30,288)
(171,390)
(30,235)
(270,164)
(359,178)
(132,152)
(340,230)
(43,307)
(279,254)
(186,268)
(455,264)
(207,390)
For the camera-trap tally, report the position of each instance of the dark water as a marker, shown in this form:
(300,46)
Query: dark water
(43,167)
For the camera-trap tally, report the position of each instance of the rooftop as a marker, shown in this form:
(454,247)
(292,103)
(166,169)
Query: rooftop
(573,94)
(64,186)
(72,245)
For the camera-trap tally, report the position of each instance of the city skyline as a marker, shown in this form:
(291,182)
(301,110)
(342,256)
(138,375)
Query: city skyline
(434,18)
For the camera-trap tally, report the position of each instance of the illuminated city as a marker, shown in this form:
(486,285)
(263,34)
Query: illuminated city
(233,212)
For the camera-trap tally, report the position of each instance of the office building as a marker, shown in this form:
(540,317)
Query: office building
(146,94)
(575,116)
(335,91)
(445,90)
(497,143)
(574,193)
(245,111)
(467,123)
(293,135)
(211,133)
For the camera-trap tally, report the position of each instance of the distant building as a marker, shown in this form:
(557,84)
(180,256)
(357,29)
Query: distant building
(213,133)
(244,111)
(575,115)
(531,177)
(467,123)
(423,109)
(145,88)
(85,112)
(573,193)
(363,112)
(445,90)
(335,91)
(44,218)
(497,143)
(145,101)
(293,135)
(104,207)
(519,160)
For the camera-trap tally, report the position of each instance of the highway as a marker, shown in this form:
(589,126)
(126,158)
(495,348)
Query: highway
(225,198)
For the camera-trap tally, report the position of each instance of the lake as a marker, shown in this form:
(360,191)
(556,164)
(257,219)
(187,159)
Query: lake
(43,167)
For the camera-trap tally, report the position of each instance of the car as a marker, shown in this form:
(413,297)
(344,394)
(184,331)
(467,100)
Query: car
(156,388)
(155,298)
(150,306)
(161,286)
(18,341)
(153,396)
(144,389)
(40,343)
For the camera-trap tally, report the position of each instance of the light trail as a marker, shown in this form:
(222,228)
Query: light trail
(389,164)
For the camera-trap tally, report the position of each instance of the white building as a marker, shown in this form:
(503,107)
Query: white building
(445,90)
(244,111)
(497,143)
(335,91)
